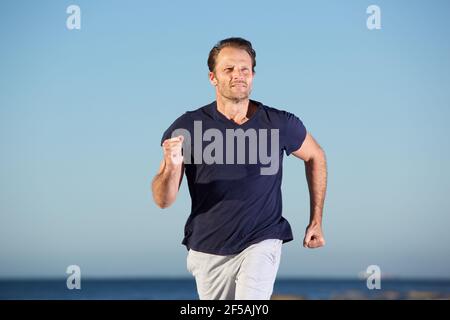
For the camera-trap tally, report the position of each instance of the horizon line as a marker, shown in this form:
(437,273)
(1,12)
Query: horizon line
(176,278)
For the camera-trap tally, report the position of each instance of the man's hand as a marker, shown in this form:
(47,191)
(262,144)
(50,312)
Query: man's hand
(166,183)
(172,151)
(313,237)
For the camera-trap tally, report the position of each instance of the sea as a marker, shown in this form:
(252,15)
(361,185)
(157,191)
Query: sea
(185,289)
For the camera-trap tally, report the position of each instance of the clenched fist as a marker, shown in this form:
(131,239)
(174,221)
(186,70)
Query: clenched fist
(313,237)
(172,151)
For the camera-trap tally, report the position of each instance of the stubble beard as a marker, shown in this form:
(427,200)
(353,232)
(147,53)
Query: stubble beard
(236,98)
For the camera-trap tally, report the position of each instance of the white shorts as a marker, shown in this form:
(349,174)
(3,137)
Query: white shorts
(248,275)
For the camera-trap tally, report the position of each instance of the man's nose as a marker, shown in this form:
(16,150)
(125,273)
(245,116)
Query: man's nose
(237,74)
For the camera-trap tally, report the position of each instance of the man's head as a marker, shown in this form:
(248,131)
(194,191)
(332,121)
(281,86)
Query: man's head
(231,65)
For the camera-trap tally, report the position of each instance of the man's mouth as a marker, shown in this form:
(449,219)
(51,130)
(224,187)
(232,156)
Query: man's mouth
(241,84)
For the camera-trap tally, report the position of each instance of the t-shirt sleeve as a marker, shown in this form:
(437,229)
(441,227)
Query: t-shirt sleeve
(294,133)
(167,134)
(180,123)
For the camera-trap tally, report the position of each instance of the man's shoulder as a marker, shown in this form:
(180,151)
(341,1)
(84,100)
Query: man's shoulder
(198,113)
(276,113)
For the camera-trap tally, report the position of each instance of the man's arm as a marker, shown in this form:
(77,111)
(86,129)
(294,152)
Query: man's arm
(166,183)
(316,176)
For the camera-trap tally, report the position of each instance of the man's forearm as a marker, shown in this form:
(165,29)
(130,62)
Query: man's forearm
(165,185)
(316,176)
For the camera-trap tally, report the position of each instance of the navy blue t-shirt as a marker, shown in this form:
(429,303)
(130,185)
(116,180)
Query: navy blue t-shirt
(234,178)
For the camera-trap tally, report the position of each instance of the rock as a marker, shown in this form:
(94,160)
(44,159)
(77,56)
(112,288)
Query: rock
(349,295)
(389,295)
(422,295)
(287,297)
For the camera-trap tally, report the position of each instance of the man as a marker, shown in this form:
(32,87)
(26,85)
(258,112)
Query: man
(235,229)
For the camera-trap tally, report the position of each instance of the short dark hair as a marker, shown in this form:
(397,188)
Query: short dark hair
(235,42)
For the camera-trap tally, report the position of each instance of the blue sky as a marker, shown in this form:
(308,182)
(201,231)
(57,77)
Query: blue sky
(82,113)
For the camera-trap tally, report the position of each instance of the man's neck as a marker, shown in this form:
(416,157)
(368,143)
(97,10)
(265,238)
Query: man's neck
(237,111)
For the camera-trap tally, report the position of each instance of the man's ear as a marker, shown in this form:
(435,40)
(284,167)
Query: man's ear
(212,78)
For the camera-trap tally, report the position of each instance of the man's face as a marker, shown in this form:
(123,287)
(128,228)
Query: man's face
(233,76)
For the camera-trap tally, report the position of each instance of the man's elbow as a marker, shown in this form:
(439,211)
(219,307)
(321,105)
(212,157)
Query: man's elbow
(317,156)
(163,203)
(321,154)
(159,200)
